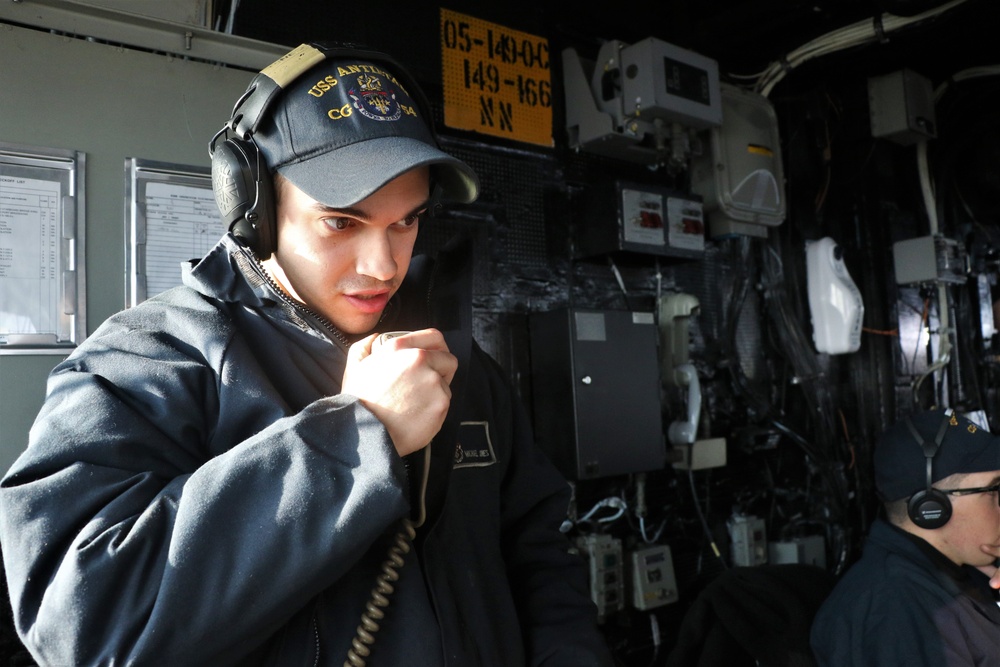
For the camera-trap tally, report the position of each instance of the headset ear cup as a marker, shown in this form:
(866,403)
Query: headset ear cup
(929,508)
(231,181)
(244,197)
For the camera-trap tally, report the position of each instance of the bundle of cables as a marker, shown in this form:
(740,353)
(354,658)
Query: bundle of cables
(856,34)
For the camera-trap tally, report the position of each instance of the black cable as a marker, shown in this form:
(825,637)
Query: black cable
(704,522)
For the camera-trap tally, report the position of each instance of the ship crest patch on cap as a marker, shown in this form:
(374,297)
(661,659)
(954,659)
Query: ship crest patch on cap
(372,100)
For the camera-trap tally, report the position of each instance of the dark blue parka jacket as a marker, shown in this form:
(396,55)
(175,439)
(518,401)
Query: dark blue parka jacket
(195,491)
(904,604)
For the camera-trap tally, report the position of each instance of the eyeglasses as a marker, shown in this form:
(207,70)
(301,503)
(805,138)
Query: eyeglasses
(979,489)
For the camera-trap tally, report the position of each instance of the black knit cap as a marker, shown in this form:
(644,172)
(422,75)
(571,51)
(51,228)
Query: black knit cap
(900,462)
(348,126)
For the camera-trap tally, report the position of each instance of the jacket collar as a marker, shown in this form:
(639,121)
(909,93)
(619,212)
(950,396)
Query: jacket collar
(226,272)
(956,579)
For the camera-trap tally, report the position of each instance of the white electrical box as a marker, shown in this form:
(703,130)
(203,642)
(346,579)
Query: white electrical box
(741,178)
(653,580)
(809,550)
(748,535)
(702,454)
(607,580)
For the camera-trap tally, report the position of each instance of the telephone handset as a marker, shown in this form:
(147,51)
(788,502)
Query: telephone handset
(401,545)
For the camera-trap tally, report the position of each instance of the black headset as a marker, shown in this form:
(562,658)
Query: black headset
(241,180)
(929,508)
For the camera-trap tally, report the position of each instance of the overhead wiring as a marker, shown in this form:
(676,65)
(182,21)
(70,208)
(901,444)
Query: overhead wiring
(856,34)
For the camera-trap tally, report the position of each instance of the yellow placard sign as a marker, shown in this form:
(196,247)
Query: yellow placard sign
(496,80)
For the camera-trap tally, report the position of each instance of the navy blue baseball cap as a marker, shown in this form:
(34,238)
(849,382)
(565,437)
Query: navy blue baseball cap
(349,125)
(900,462)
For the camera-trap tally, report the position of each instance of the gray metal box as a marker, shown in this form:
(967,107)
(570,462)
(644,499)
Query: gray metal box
(929,259)
(660,80)
(901,107)
(596,391)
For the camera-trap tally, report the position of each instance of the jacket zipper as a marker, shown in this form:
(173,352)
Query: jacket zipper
(326,325)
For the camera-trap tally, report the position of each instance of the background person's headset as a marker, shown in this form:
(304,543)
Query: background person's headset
(929,508)
(243,186)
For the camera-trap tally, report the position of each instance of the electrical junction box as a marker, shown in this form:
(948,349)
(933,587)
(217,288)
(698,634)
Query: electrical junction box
(930,259)
(653,580)
(835,302)
(701,454)
(596,391)
(604,562)
(809,550)
(640,218)
(663,81)
(748,535)
(901,107)
(633,101)
(741,179)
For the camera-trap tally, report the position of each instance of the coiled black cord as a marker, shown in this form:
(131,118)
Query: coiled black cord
(374,611)
(373,614)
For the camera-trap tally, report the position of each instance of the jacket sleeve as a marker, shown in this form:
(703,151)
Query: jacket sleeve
(133,532)
(548,577)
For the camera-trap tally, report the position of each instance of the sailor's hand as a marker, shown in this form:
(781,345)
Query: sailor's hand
(405,380)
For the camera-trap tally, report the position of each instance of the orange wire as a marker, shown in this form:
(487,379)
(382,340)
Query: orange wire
(847,438)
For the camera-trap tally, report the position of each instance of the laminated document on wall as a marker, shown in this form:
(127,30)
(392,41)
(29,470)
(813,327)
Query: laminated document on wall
(172,217)
(42,273)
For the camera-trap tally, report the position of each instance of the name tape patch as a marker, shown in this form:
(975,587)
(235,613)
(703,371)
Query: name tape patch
(474,448)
